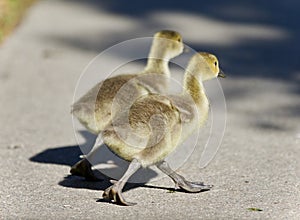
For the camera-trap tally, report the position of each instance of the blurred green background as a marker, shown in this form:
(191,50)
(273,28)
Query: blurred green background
(11,12)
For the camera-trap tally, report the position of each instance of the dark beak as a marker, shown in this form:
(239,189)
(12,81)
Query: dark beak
(221,74)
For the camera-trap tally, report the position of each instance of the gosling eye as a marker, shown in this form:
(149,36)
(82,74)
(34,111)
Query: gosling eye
(216,63)
(179,39)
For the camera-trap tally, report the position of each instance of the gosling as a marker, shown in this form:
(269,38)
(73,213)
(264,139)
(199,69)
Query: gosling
(94,110)
(158,124)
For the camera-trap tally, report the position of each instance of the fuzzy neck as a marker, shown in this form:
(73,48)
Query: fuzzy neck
(157,60)
(159,66)
(194,87)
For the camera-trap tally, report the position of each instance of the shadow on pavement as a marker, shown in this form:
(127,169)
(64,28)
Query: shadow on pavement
(66,155)
(80,183)
(69,155)
(101,185)
(264,57)
(63,155)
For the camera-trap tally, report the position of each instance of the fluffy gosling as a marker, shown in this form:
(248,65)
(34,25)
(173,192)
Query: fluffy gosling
(94,109)
(156,123)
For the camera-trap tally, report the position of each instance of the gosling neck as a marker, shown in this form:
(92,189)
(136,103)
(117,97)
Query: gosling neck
(159,66)
(194,87)
(157,61)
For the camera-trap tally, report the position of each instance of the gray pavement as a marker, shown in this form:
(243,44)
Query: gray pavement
(257,165)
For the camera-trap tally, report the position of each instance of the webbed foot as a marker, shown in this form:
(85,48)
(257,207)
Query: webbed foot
(192,187)
(83,168)
(114,194)
(180,181)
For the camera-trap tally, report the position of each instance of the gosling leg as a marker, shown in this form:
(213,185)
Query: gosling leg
(84,167)
(180,181)
(114,192)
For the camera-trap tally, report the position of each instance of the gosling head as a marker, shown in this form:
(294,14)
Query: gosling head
(169,41)
(206,66)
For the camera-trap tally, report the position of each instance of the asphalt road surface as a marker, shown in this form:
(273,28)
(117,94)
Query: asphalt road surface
(255,172)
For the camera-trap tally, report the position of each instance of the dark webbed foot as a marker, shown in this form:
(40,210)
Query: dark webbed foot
(192,187)
(114,194)
(83,168)
(181,182)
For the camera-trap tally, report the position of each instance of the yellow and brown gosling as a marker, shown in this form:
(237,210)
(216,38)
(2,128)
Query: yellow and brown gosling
(157,124)
(94,109)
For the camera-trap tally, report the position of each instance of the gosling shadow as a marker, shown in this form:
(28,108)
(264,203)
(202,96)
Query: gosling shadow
(71,181)
(114,167)
(131,186)
(81,183)
(64,155)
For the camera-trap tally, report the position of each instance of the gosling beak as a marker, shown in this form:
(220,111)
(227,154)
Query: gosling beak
(221,74)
